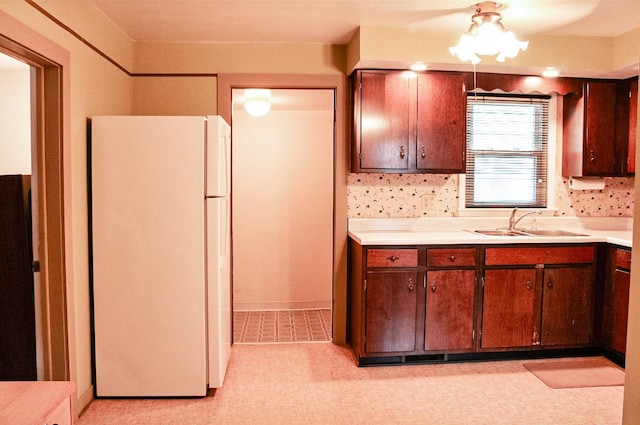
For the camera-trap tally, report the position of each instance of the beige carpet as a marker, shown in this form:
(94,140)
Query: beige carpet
(578,373)
(319,384)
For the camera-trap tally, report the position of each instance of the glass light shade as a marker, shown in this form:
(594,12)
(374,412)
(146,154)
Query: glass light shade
(487,36)
(257,102)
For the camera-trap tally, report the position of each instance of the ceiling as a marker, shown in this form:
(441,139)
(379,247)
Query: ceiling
(335,21)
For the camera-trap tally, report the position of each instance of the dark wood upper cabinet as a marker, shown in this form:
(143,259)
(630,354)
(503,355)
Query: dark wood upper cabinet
(633,125)
(441,138)
(384,120)
(597,129)
(408,123)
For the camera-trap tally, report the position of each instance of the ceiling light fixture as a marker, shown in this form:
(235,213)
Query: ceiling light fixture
(418,66)
(257,102)
(487,36)
(550,72)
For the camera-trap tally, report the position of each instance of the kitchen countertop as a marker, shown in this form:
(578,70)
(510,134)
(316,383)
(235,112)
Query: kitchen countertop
(459,230)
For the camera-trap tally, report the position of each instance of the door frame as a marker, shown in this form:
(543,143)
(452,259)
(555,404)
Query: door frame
(50,63)
(338,83)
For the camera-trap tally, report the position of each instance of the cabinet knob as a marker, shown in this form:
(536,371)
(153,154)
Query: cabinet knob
(402,153)
(433,287)
(452,258)
(592,155)
(423,152)
(550,284)
(410,284)
(529,284)
(393,258)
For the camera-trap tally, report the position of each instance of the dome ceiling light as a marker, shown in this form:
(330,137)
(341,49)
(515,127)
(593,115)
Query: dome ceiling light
(257,102)
(487,36)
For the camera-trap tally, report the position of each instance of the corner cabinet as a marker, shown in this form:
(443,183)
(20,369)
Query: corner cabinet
(599,129)
(616,300)
(406,122)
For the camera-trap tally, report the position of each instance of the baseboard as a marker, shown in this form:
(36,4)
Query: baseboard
(83,401)
(283,305)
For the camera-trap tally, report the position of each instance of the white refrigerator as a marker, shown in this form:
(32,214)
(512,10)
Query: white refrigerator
(160,250)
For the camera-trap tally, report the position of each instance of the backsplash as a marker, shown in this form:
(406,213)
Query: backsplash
(436,195)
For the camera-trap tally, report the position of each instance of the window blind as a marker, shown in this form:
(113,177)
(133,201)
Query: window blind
(507,151)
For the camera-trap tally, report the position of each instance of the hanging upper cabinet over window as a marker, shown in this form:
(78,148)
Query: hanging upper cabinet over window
(597,135)
(408,122)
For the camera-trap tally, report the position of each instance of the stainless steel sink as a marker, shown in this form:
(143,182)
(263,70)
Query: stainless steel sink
(527,232)
(551,232)
(500,232)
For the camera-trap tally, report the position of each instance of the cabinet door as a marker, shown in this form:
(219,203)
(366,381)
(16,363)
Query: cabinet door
(449,311)
(633,126)
(620,298)
(599,128)
(567,306)
(508,315)
(390,312)
(385,122)
(442,112)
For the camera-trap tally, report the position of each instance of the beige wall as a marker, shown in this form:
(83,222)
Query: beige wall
(282,206)
(631,410)
(96,87)
(15,122)
(175,95)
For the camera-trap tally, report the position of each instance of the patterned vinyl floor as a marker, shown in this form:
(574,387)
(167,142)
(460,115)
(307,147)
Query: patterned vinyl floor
(281,326)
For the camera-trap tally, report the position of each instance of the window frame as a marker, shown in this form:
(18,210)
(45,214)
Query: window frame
(552,146)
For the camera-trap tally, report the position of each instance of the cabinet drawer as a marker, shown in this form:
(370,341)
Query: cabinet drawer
(392,258)
(451,257)
(541,255)
(623,259)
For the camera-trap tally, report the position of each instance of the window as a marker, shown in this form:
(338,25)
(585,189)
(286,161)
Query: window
(507,151)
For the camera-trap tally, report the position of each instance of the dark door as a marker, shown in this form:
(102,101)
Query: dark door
(449,315)
(17,308)
(567,306)
(508,315)
(391,305)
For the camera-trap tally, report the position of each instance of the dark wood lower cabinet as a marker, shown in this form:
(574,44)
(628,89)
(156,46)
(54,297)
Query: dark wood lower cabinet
(567,306)
(508,310)
(430,303)
(449,310)
(391,305)
(620,292)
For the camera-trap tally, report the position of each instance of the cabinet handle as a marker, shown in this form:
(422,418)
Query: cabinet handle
(402,152)
(529,284)
(592,155)
(393,258)
(423,152)
(433,287)
(452,258)
(410,284)
(550,284)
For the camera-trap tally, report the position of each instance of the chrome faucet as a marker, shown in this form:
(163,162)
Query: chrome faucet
(512,219)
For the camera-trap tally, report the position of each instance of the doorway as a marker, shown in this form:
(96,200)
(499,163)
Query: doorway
(49,80)
(282,217)
(21,356)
